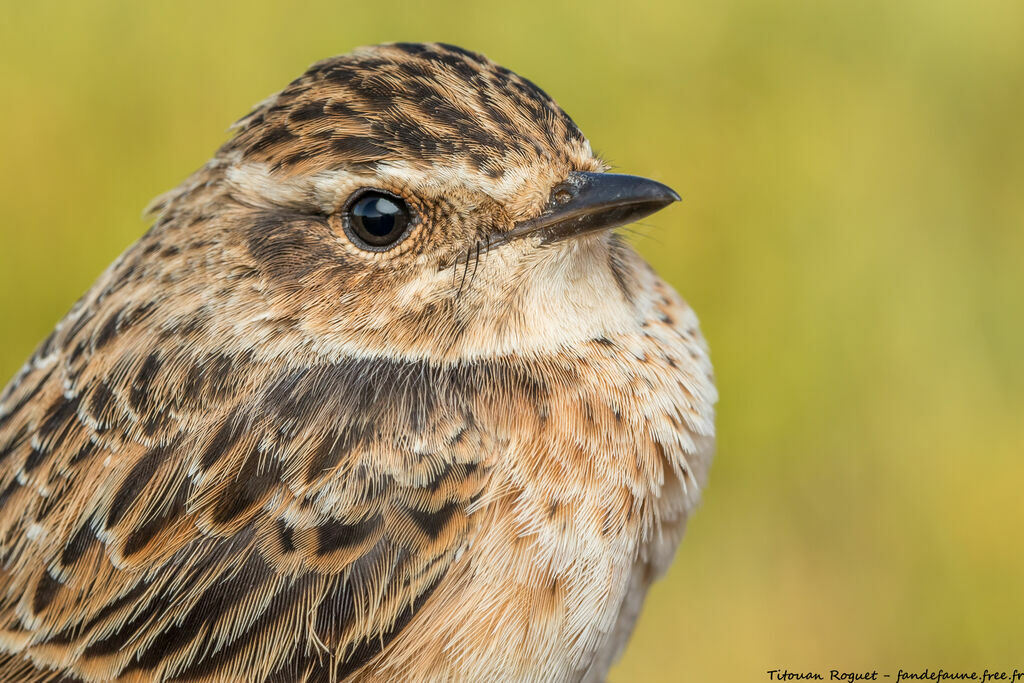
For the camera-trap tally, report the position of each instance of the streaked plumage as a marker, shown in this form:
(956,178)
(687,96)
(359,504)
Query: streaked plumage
(254,451)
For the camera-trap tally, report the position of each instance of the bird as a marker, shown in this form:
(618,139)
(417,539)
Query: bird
(380,395)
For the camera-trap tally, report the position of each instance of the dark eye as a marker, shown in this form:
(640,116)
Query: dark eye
(376,221)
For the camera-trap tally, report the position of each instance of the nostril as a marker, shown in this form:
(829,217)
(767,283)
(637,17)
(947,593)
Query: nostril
(562,194)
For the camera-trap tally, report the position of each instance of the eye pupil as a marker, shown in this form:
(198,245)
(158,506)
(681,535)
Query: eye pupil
(377,215)
(377,220)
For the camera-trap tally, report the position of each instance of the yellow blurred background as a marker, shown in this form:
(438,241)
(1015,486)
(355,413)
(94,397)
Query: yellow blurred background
(852,235)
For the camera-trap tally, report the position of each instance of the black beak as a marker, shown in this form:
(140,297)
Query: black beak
(588,202)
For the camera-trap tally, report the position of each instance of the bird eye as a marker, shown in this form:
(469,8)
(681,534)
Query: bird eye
(376,221)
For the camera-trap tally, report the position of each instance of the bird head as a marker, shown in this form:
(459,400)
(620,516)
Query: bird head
(416,199)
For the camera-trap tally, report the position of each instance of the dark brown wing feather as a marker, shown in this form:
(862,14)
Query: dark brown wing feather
(172,513)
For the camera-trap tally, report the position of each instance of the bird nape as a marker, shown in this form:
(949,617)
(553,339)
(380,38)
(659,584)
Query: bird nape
(379,396)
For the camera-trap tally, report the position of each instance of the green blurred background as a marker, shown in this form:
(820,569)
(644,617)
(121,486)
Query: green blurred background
(852,234)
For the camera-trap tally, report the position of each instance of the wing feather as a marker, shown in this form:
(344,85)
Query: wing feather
(172,514)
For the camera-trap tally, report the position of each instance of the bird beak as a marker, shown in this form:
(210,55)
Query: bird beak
(589,202)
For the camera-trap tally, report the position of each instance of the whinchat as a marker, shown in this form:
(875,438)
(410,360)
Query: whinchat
(380,396)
